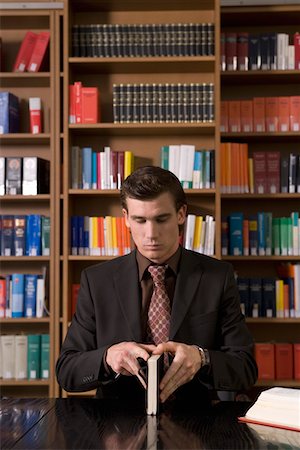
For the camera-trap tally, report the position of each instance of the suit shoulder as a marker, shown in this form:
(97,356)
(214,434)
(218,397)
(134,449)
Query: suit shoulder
(108,267)
(208,262)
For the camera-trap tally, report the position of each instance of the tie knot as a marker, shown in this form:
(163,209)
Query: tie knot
(157,273)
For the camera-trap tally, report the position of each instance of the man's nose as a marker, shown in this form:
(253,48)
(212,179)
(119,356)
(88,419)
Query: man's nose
(151,230)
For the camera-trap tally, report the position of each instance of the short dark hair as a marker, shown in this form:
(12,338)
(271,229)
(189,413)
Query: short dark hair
(148,182)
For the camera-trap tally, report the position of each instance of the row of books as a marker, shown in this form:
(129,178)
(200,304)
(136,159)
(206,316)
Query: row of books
(32,52)
(99,236)
(199,234)
(182,102)
(265,172)
(271,297)
(143,40)
(10,113)
(29,175)
(260,114)
(25,356)
(105,169)
(277,361)
(83,104)
(195,169)
(25,235)
(264,51)
(22,295)
(260,234)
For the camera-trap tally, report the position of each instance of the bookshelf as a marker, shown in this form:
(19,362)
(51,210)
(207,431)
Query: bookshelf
(15,22)
(247,85)
(143,139)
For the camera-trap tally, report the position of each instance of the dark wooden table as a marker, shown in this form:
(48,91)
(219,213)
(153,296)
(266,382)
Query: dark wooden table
(85,423)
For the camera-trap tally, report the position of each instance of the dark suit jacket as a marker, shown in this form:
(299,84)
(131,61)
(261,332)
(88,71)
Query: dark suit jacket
(205,312)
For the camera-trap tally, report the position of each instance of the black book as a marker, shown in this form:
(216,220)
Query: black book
(13,185)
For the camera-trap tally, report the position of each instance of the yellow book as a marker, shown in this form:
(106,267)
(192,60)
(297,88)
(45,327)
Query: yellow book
(128,163)
(279,299)
(114,236)
(197,233)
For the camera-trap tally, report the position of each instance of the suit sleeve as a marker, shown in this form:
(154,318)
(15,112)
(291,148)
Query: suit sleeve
(232,364)
(79,365)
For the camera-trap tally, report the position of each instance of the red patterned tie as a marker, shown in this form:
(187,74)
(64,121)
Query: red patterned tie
(159,309)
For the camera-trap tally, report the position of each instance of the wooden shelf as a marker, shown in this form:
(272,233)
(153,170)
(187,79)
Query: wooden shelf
(261,258)
(25,138)
(256,197)
(262,137)
(260,76)
(116,192)
(25,320)
(24,75)
(13,382)
(268,320)
(24,258)
(25,198)
(90,258)
(282,383)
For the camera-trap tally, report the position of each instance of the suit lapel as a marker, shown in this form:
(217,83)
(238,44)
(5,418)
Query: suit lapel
(186,285)
(126,285)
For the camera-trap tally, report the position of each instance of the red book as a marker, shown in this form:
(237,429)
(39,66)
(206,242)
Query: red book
(234,121)
(297,50)
(295,113)
(25,52)
(39,52)
(120,173)
(113,169)
(242,51)
(284,361)
(265,360)
(272,113)
(246,116)
(72,113)
(2,297)
(231,50)
(283,113)
(273,172)
(89,104)
(259,114)
(74,297)
(224,127)
(296,348)
(77,92)
(260,172)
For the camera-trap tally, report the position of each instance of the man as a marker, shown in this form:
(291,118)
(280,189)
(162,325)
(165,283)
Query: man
(208,339)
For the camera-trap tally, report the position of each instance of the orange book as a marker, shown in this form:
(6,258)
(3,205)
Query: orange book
(224,117)
(39,52)
(244,159)
(283,361)
(296,348)
(234,111)
(259,114)
(265,360)
(283,113)
(223,168)
(295,113)
(74,297)
(286,305)
(272,113)
(235,168)
(246,116)
(89,104)
(25,51)
(228,176)
(119,236)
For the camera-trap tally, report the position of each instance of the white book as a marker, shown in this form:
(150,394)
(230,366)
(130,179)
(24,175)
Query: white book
(174,155)
(186,165)
(103,170)
(107,167)
(202,237)
(282,51)
(2,175)
(208,231)
(189,231)
(8,356)
(21,357)
(276,407)
(291,57)
(40,297)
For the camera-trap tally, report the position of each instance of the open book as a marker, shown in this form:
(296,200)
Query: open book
(276,407)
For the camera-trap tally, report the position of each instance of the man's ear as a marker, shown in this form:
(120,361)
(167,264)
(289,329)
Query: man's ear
(125,214)
(181,214)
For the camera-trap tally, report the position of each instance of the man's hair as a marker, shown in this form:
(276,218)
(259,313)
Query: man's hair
(147,183)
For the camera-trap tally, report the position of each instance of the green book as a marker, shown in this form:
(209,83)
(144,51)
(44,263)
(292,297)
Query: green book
(276,236)
(45,236)
(33,356)
(283,236)
(45,353)
(164,157)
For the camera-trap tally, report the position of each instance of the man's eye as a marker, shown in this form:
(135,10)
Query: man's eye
(140,220)
(162,219)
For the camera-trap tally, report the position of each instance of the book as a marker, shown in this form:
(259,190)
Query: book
(276,407)
(38,52)
(8,355)
(45,355)
(265,360)
(36,176)
(25,51)
(33,356)
(20,357)
(9,113)
(154,372)
(13,183)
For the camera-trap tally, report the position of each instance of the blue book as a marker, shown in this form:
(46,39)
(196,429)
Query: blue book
(261,233)
(17,300)
(236,233)
(87,168)
(9,113)
(74,235)
(94,170)
(255,302)
(86,234)
(269,297)
(243,287)
(30,288)
(33,235)
(8,295)
(81,235)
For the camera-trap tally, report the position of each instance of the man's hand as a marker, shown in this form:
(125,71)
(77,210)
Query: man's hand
(122,357)
(186,363)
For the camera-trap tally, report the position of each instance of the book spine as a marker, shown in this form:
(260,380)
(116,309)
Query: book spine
(33,356)
(17,306)
(30,290)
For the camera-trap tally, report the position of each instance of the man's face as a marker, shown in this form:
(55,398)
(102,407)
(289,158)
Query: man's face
(154,226)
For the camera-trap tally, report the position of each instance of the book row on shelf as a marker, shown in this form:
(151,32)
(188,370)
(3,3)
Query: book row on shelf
(25,235)
(271,297)
(261,114)
(24,356)
(260,234)
(199,234)
(29,175)
(259,51)
(262,172)
(32,52)
(23,295)
(277,361)
(10,114)
(163,103)
(143,40)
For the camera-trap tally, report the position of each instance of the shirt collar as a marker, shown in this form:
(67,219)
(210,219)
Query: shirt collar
(143,262)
